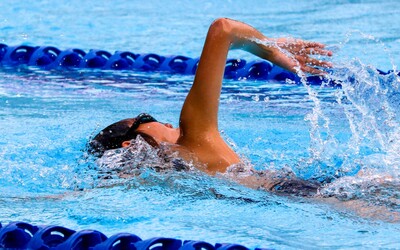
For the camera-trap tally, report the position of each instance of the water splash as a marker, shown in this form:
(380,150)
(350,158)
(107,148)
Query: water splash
(135,162)
(322,139)
(357,133)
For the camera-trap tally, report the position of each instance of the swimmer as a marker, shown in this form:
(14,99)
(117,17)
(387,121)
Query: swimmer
(197,139)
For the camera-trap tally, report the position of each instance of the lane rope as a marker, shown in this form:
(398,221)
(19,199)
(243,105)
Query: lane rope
(49,58)
(22,235)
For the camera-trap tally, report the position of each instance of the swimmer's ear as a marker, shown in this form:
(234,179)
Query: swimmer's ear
(125,144)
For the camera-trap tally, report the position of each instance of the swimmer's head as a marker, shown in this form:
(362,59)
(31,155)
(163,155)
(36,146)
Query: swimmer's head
(120,134)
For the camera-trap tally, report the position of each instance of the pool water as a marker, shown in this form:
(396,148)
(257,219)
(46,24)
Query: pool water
(349,135)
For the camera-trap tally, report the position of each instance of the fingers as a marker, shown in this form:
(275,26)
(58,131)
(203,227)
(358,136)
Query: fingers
(306,60)
(308,69)
(314,48)
(319,63)
(301,47)
(299,56)
(316,51)
(309,44)
(308,65)
(313,71)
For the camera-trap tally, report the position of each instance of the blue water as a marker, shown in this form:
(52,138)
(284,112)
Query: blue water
(47,117)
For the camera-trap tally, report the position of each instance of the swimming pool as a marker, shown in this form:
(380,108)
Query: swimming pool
(47,117)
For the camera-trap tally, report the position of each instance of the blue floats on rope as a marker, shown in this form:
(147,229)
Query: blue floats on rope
(119,241)
(121,60)
(16,235)
(49,237)
(43,56)
(70,58)
(95,59)
(17,55)
(48,57)
(21,235)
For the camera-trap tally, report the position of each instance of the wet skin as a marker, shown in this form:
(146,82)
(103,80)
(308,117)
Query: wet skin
(198,124)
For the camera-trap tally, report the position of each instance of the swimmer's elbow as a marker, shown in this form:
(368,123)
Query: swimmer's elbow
(233,31)
(221,22)
(221,26)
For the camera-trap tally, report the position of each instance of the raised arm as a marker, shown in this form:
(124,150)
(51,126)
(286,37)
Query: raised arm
(200,110)
(199,116)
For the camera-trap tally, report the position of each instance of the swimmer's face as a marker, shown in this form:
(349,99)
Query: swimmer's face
(161,132)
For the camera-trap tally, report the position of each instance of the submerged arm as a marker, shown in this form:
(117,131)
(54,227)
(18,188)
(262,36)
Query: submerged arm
(281,182)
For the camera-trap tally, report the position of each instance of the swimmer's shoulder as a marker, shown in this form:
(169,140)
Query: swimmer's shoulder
(212,152)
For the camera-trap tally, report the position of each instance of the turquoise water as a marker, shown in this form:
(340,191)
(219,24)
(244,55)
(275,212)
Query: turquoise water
(47,117)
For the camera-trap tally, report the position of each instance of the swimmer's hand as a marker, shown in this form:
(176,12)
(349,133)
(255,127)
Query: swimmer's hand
(298,55)
(292,54)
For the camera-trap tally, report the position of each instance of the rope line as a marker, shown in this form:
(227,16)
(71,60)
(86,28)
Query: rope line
(22,235)
(49,57)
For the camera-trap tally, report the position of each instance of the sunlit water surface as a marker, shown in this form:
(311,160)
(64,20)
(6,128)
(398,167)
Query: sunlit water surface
(348,137)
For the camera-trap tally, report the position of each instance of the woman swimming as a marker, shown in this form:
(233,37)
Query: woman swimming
(197,138)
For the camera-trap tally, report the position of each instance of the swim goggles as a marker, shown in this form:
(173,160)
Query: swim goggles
(140,119)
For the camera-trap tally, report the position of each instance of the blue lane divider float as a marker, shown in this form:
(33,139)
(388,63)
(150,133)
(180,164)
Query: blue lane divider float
(48,57)
(22,235)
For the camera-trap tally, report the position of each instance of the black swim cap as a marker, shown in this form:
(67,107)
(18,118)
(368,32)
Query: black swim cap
(114,135)
(111,137)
